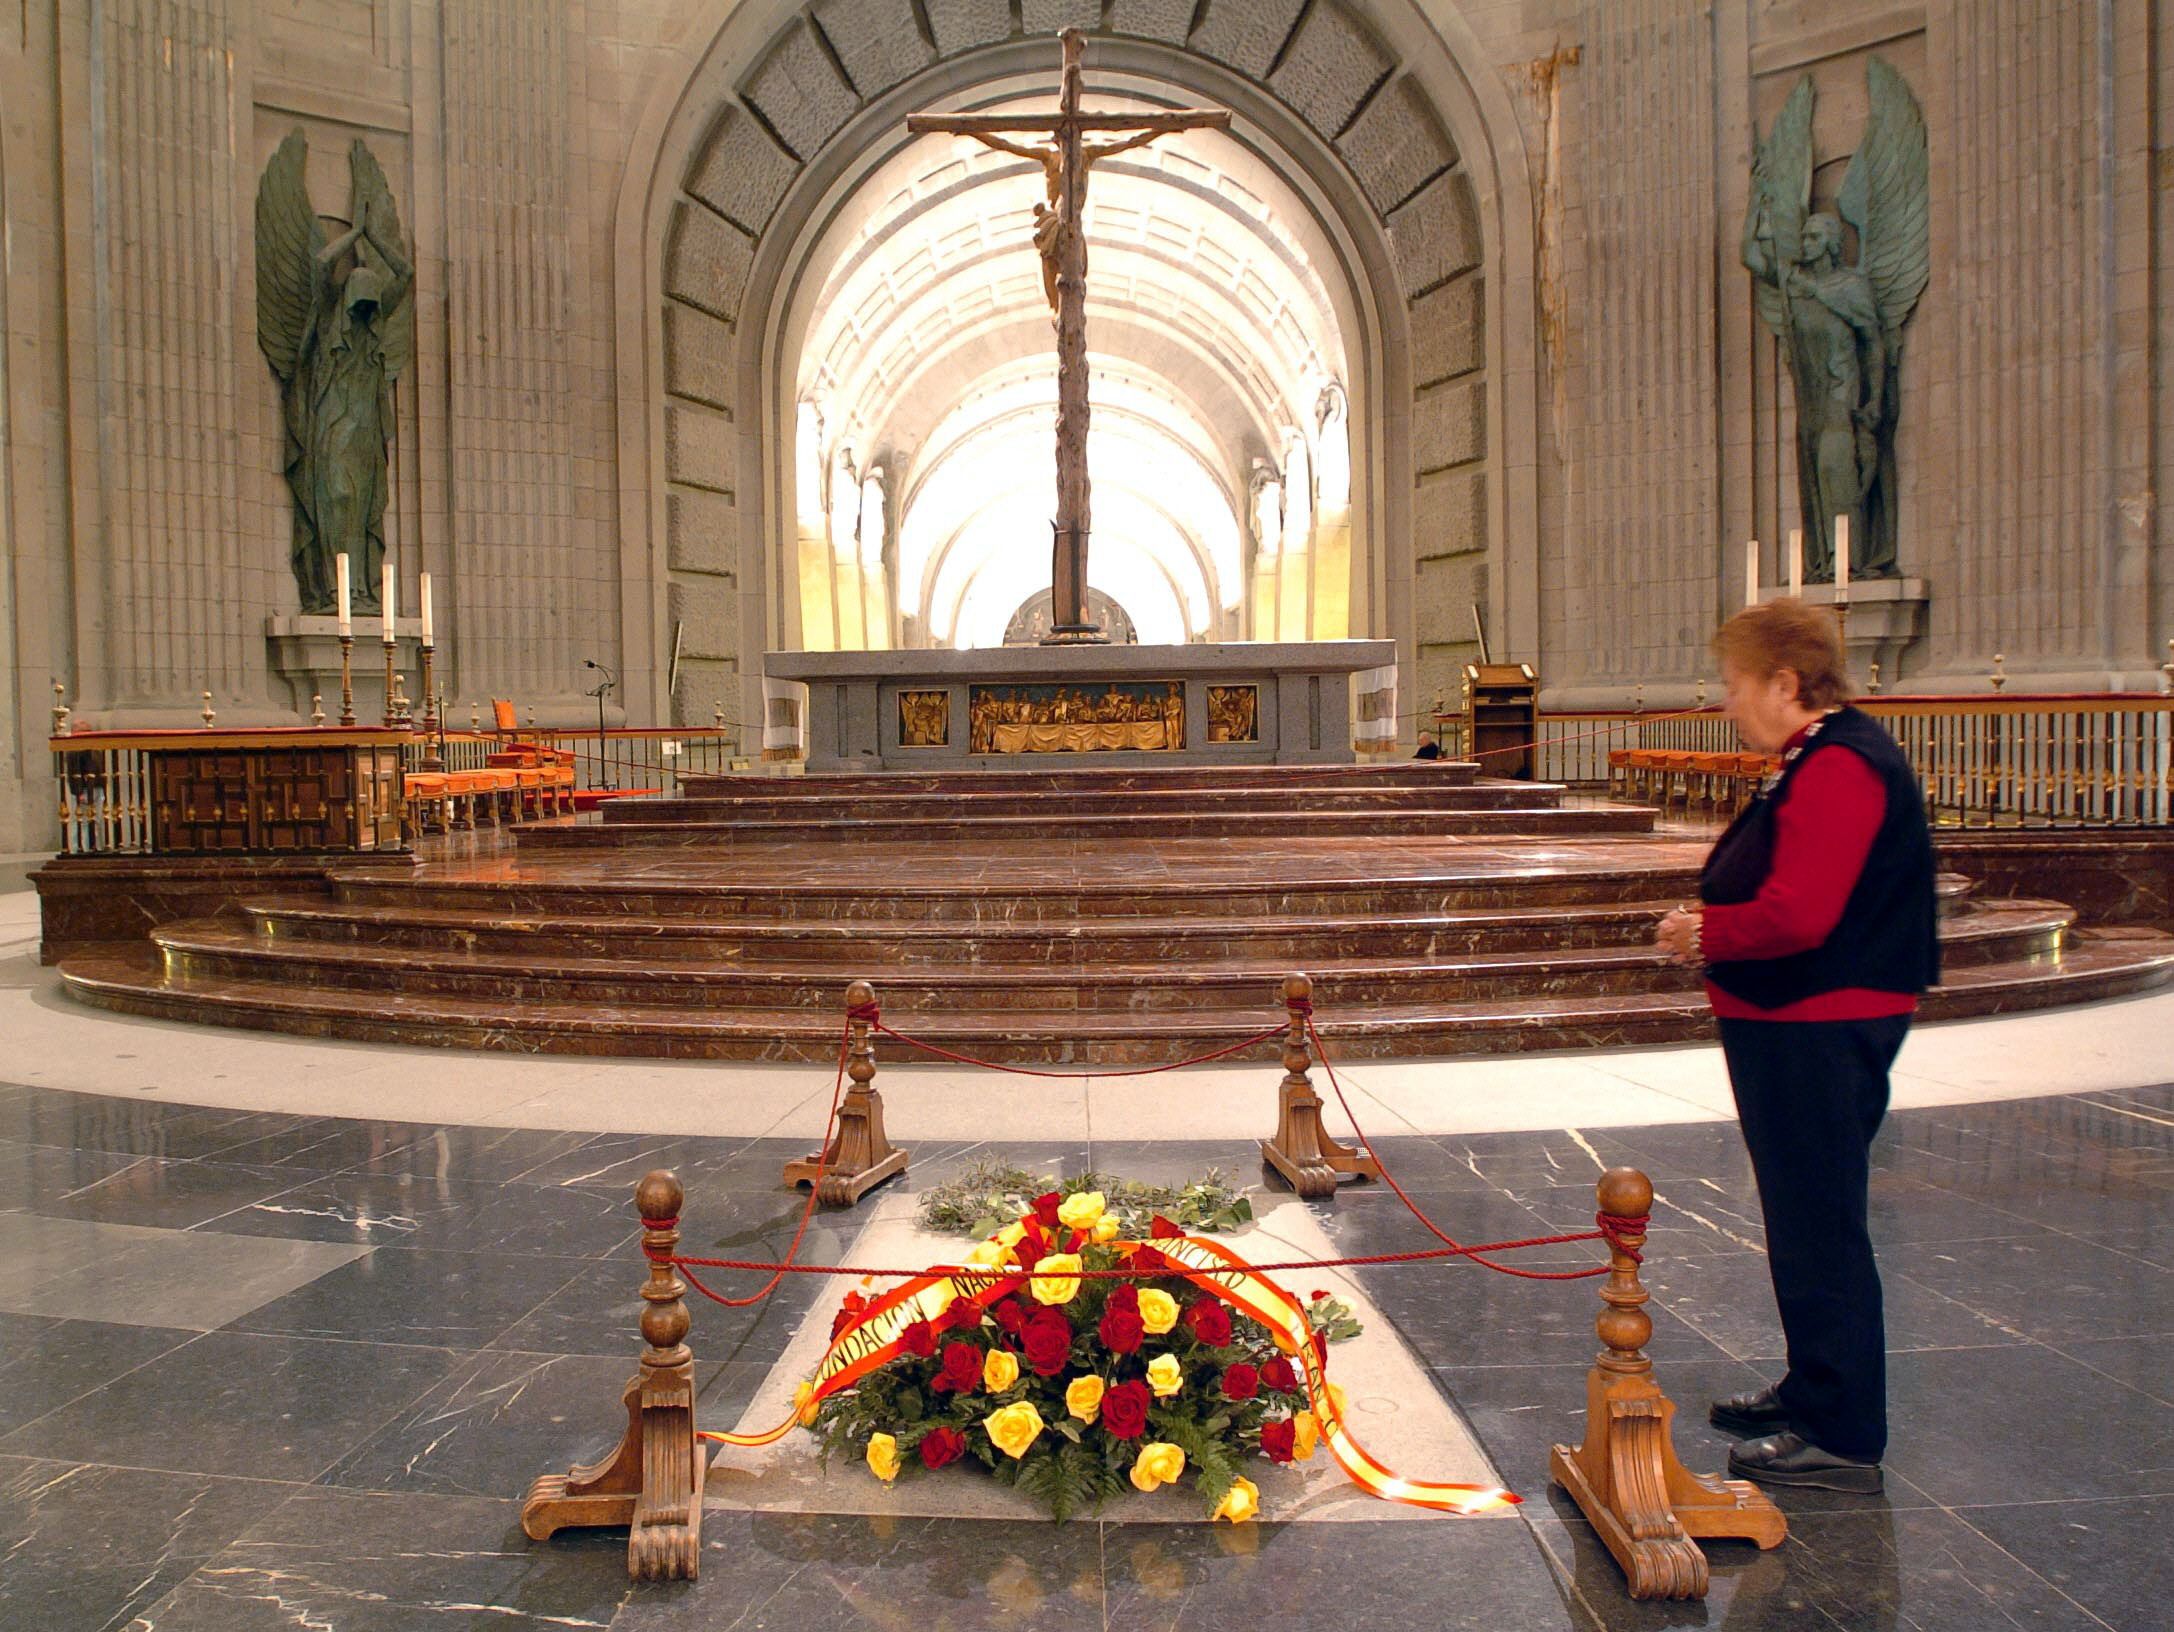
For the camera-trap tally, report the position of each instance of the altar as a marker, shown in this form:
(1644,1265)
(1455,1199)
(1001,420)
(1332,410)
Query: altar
(1022,707)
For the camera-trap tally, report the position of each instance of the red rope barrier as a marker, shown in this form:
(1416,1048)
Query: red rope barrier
(1611,1233)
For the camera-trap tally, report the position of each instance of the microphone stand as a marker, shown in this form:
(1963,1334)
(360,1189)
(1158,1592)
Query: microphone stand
(605,681)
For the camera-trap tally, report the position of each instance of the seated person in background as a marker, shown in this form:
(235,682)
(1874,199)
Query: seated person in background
(1430,746)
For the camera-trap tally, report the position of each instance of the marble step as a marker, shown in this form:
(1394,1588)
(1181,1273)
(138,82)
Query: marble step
(135,981)
(890,944)
(1113,827)
(1401,773)
(873,801)
(218,949)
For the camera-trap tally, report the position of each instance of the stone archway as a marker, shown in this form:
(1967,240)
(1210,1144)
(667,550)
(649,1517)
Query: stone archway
(1413,168)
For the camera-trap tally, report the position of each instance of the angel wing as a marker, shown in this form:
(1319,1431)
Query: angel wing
(374,204)
(1886,196)
(1781,195)
(288,239)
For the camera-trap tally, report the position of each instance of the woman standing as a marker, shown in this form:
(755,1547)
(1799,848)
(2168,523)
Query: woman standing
(1816,931)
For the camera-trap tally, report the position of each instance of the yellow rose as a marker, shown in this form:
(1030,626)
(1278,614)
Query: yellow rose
(1158,1464)
(805,1404)
(1056,1278)
(1012,1428)
(999,1371)
(1242,1503)
(1158,1311)
(1106,1228)
(1305,1435)
(883,1457)
(1010,1235)
(1164,1377)
(988,1254)
(1083,1397)
(1339,1399)
(1080,1212)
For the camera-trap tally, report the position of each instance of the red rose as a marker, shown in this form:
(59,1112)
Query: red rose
(1008,1314)
(1279,1440)
(1126,1295)
(1030,1249)
(961,1316)
(1047,1339)
(1317,1294)
(1209,1321)
(1121,1329)
(918,1339)
(1278,1375)
(961,1368)
(848,1313)
(1124,1409)
(942,1446)
(1045,1209)
(1241,1382)
(1160,1228)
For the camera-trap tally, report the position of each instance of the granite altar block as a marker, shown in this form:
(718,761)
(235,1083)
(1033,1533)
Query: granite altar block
(1264,703)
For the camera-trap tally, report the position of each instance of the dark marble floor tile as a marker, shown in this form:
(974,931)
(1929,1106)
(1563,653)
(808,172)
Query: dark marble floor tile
(458,1215)
(1190,1578)
(123,1126)
(88,1547)
(2110,1557)
(2152,1246)
(43,1176)
(501,1419)
(1483,1319)
(786,1572)
(380,1562)
(483,1155)
(597,1311)
(1730,1298)
(324,1144)
(172,1194)
(2055,1288)
(2140,1362)
(239,1405)
(1687,1150)
(617,1161)
(1689,1216)
(459,1300)
(46,1363)
(2022,1421)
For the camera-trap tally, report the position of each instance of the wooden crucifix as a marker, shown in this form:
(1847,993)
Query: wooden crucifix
(1065,158)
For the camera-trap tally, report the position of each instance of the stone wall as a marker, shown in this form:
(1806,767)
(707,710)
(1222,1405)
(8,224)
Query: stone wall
(1585,423)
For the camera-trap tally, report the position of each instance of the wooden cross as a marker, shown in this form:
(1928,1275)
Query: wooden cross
(1065,159)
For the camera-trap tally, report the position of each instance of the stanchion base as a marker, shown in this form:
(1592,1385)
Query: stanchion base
(840,1187)
(634,1487)
(1316,1176)
(1647,1508)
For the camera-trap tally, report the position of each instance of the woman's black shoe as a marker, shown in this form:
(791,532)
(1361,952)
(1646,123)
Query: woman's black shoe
(1750,1415)
(1791,1459)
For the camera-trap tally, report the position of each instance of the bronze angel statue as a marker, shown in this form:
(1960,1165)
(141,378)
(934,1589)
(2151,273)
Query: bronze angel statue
(336,322)
(1840,326)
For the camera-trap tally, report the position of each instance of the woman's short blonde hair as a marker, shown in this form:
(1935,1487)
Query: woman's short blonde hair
(1762,640)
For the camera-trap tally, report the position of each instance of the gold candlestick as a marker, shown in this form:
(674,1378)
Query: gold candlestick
(2166,668)
(1999,676)
(391,651)
(317,708)
(433,759)
(347,679)
(61,726)
(1875,688)
(209,716)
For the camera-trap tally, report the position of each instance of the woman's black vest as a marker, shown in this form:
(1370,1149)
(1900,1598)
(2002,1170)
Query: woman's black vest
(1888,939)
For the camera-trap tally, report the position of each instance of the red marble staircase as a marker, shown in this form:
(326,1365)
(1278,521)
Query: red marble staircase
(1112,917)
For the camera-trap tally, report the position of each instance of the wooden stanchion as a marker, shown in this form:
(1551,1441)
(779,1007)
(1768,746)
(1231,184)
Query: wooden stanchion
(1302,1150)
(858,1157)
(1625,1477)
(653,1482)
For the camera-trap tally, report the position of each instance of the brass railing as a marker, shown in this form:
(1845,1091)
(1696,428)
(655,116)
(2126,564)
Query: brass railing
(2100,759)
(105,800)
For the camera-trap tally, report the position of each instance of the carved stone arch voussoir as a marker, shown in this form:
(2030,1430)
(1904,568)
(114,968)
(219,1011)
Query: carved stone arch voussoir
(738,148)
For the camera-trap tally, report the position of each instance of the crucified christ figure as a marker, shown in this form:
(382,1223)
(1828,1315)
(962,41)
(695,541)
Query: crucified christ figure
(1065,156)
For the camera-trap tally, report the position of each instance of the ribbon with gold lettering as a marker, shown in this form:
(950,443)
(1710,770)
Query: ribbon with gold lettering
(873,1339)
(1215,1269)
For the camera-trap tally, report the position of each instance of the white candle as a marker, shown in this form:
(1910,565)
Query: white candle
(347,620)
(1751,572)
(427,641)
(1841,553)
(1796,561)
(391,607)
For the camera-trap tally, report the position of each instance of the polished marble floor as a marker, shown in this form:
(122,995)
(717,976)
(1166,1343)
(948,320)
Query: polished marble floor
(261,1369)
